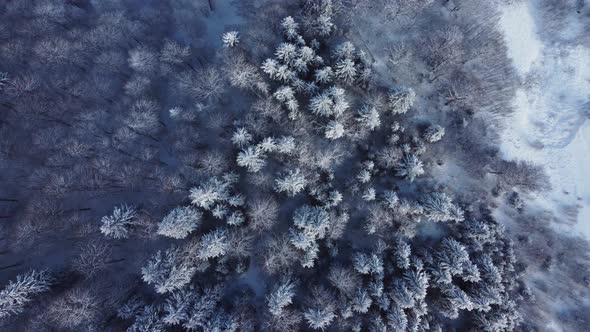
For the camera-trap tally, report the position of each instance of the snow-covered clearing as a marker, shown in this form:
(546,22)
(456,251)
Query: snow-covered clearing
(549,125)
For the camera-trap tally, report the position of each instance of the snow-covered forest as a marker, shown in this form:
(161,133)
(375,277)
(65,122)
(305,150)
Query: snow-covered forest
(291,165)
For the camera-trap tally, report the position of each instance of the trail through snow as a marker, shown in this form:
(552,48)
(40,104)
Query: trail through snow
(549,125)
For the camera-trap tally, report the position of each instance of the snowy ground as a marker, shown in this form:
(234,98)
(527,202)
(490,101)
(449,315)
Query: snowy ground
(550,125)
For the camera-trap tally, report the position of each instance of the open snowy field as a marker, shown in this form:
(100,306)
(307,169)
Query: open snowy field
(550,124)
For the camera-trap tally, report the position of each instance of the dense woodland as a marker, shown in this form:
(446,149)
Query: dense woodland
(269,165)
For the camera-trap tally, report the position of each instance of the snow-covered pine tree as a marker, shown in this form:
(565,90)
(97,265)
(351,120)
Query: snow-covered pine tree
(291,183)
(180,222)
(236,218)
(167,271)
(230,39)
(311,224)
(390,199)
(4,80)
(324,75)
(241,138)
(251,158)
(400,100)
(361,301)
(117,224)
(439,207)
(177,306)
(322,105)
(409,167)
(281,296)
(286,144)
(402,252)
(203,308)
(368,117)
(334,130)
(396,318)
(346,71)
(290,28)
(213,244)
(287,53)
(148,319)
(212,191)
(17,294)
(434,133)
(319,318)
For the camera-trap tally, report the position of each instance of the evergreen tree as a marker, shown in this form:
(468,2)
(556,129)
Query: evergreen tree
(251,158)
(434,133)
(17,294)
(291,183)
(346,71)
(148,319)
(319,318)
(203,308)
(290,28)
(439,207)
(212,191)
(241,138)
(334,130)
(177,306)
(180,222)
(167,271)
(361,301)
(118,223)
(368,117)
(213,244)
(281,296)
(409,167)
(230,39)
(401,100)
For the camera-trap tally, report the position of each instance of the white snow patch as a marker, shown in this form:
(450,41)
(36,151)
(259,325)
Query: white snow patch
(550,126)
(520,32)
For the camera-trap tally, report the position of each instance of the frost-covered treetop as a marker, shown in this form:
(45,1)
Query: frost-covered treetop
(117,224)
(180,222)
(17,294)
(230,39)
